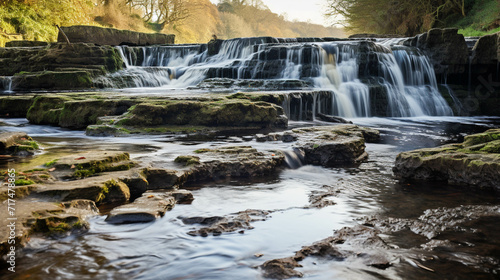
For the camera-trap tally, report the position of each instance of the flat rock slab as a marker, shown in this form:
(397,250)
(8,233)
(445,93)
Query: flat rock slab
(42,217)
(146,208)
(101,189)
(9,139)
(87,164)
(113,37)
(476,162)
(230,162)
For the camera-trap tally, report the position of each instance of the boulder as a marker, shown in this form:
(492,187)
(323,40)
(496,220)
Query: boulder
(214,46)
(17,143)
(487,49)
(10,139)
(233,162)
(334,145)
(146,208)
(158,178)
(475,162)
(112,37)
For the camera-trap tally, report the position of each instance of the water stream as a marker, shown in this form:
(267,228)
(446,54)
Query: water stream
(164,250)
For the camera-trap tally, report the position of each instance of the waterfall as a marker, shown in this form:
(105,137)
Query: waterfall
(459,107)
(294,159)
(347,78)
(6,84)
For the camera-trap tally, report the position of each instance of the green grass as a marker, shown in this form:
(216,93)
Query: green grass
(481,19)
(471,32)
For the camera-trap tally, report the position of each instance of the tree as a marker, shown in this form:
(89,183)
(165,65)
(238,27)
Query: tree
(162,12)
(405,17)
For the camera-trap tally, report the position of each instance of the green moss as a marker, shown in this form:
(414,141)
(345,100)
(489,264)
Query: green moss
(46,110)
(23,182)
(492,147)
(95,167)
(475,139)
(58,227)
(51,163)
(104,191)
(34,170)
(238,95)
(187,160)
(204,150)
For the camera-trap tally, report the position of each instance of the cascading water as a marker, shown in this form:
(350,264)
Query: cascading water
(6,84)
(346,78)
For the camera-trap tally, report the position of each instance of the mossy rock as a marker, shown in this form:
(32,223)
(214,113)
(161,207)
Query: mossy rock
(91,163)
(492,147)
(53,80)
(15,106)
(231,113)
(480,138)
(476,162)
(188,160)
(46,109)
(16,143)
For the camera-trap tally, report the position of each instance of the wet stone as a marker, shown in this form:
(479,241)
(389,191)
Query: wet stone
(217,225)
(146,208)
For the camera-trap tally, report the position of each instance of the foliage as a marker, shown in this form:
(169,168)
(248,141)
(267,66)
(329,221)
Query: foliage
(410,17)
(190,20)
(36,19)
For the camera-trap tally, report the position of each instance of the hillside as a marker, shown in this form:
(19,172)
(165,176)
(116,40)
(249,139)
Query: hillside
(192,21)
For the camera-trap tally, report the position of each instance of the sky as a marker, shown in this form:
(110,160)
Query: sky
(302,10)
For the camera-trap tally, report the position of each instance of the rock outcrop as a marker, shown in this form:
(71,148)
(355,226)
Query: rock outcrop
(445,48)
(475,162)
(58,66)
(112,37)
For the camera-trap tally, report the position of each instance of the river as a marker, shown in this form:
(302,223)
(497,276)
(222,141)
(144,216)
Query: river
(163,249)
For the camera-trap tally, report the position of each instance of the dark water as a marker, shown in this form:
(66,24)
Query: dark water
(164,250)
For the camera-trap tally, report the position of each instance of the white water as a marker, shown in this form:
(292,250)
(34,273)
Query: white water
(6,84)
(405,73)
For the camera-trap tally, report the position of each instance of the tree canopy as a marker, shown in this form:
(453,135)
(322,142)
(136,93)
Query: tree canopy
(405,17)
